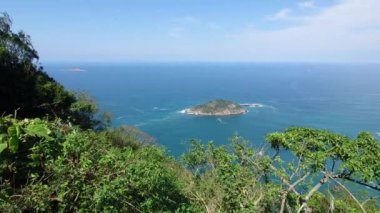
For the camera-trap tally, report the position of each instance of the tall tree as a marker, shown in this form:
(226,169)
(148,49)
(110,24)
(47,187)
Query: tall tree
(323,157)
(27,89)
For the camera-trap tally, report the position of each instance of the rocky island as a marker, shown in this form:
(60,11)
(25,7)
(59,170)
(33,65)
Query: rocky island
(217,107)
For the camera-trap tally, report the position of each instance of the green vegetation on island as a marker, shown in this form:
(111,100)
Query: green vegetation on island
(217,107)
(56,157)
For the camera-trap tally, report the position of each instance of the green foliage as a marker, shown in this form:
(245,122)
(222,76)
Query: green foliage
(58,167)
(26,145)
(38,128)
(128,136)
(364,163)
(25,88)
(321,150)
(226,180)
(324,157)
(83,110)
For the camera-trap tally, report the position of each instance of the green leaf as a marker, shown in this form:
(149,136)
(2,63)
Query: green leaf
(3,138)
(3,142)
(18,131)
(12,131)
(3,146)
(39,130)
(13,144)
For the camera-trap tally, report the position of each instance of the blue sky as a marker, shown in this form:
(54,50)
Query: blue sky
(200,30)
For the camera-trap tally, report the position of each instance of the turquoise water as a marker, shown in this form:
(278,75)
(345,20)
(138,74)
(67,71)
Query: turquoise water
(340,97)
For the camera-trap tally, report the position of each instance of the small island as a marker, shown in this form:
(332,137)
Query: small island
(217,107)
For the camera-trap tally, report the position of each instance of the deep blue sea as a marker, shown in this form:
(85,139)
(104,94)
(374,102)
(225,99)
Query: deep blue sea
(339,97)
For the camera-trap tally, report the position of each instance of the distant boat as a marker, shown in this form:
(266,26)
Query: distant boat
(75,69)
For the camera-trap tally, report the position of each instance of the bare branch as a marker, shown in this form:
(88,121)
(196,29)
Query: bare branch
(302,206)
(371,198)
(291,187)
(332,207)
(312,191)
(351,195)
(259,199)
(299,181)
(298,167)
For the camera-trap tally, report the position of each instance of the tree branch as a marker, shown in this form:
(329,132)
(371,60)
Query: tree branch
(274,169)
(332,207)
(351,195)
(333,165)
(371,198)
(312,191)
(361,183)
(291,187)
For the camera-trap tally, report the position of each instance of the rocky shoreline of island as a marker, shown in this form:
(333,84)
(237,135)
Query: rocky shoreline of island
(191,112)
(218,107)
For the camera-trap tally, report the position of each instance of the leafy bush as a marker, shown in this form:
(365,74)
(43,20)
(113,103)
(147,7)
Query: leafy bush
(51,166)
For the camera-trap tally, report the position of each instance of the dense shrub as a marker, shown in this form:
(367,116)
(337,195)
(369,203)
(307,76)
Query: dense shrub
(54,166)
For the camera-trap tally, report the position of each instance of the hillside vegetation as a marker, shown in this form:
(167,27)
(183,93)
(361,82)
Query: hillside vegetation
(56,157)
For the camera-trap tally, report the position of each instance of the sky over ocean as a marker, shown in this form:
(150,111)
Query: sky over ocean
(199,30)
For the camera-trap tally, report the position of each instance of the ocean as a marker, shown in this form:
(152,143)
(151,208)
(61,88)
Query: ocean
(342,98)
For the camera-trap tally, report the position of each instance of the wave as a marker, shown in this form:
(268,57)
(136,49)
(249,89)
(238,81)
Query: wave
(257,105)
(252,105)
(221,121)
(159,109)
(120,117)
(140,124)
(183,111)
(139,110)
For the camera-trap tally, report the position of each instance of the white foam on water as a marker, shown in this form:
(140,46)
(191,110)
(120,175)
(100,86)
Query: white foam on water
(183,111)
(140,124)
(252,105)
(257,105)
(139,110)
(159,109)
(221,121)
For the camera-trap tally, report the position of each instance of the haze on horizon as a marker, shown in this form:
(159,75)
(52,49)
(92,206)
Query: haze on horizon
(199,30)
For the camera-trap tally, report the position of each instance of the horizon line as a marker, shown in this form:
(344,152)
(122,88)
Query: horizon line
(41,62)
